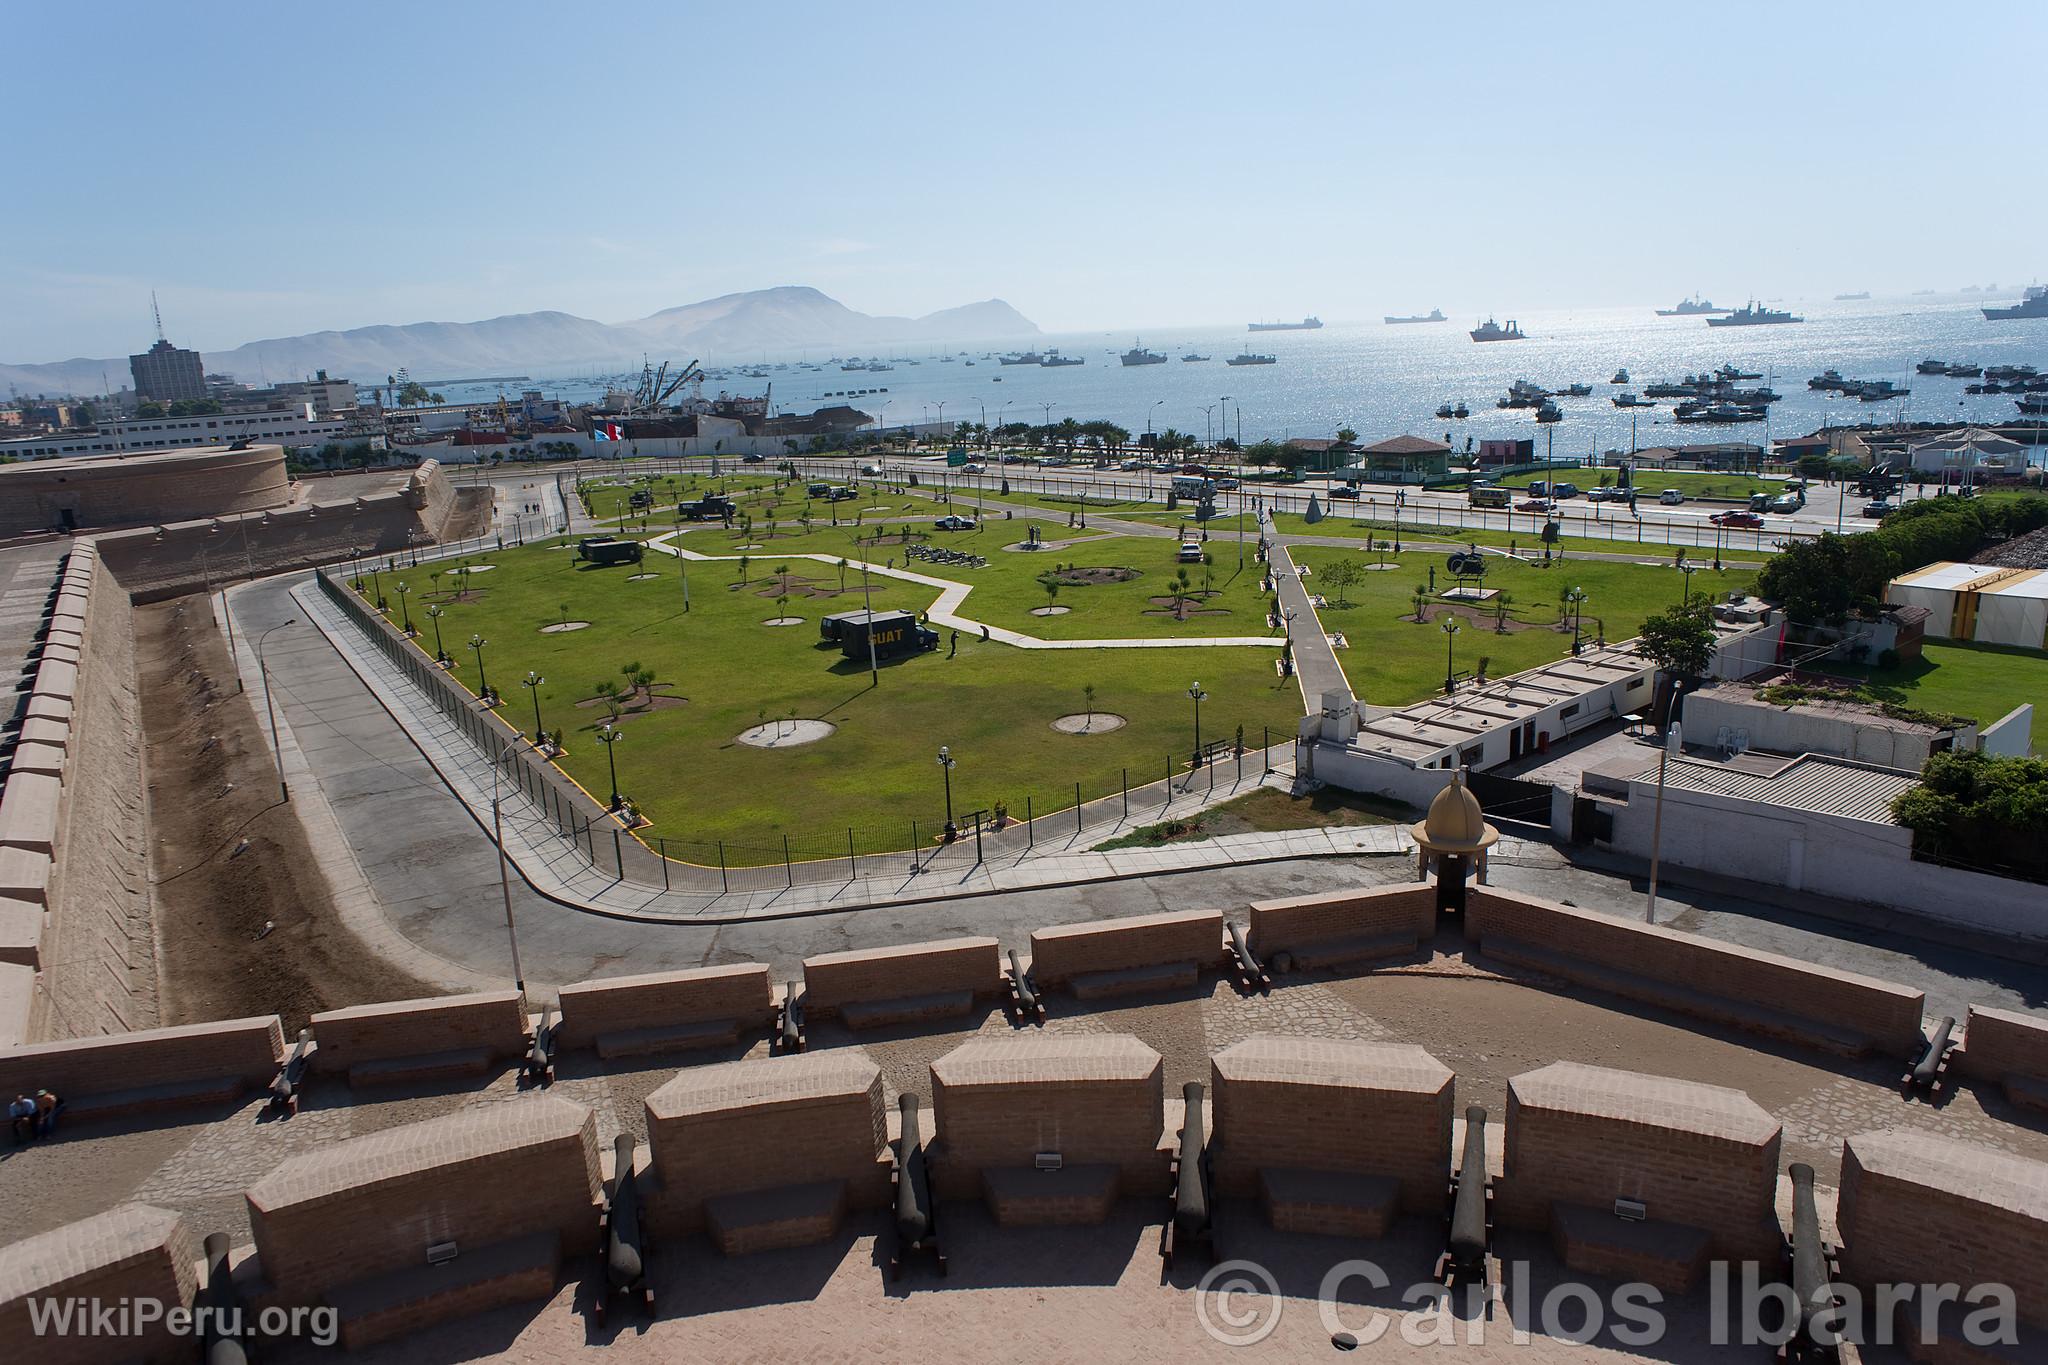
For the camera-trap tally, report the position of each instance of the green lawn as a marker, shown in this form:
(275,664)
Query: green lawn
(1981,682)
(992,704)
(1221,599)
(1392,660)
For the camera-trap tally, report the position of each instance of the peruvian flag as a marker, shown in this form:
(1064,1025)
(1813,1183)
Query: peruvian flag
(608,431)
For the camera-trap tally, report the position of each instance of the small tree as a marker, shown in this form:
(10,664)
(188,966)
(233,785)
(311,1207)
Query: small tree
(745,560)
(1502,600)
(1421,600)
(608,694)
(1088,695)
(643,680)
(1681,643)
(782,572)
(1052,592)
(1181,583)
(1340,574)
(842,574)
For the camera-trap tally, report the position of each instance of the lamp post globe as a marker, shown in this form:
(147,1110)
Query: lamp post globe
(483,685)
(1197,696)
(608,736)
(532,683)
(946,762)
(1450,629)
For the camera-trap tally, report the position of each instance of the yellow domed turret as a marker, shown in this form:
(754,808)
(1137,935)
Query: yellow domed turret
(1455,824)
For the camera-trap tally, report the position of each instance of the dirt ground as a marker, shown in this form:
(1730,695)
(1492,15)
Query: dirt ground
(230,856)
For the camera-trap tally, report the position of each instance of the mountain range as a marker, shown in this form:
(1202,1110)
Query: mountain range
(733,327)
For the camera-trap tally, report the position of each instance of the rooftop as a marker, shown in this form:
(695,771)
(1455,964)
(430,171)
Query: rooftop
(1810,782)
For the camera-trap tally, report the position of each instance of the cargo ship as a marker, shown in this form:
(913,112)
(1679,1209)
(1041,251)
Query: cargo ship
(1691,307)
(1434,315)
(1308,324)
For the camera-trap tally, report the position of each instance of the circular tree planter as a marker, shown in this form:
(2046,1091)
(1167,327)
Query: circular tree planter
(786,734)
(563,627)
(783,621)
(475,568)
(1050,611)
(1089,723)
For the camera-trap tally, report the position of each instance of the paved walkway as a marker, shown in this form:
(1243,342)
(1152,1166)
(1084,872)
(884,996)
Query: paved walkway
(1315,661)
(563,870)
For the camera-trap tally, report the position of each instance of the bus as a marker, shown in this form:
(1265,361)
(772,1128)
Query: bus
(1488,496)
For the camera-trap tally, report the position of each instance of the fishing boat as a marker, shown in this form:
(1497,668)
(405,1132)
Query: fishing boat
(1493,331)
(1620,377)
(1626,399)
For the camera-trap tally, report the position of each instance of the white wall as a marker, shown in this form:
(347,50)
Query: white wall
(1851,860)
(1808,730)
(2012,736)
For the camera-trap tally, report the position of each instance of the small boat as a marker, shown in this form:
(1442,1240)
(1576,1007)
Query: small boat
(1964,372)
(1620,377)
(1828,379)
(1728,374)
(1461,410)
(1191,356)
(1444,412)
(1549,412)
(1249,358)
(1628,400)
(1576,390)
(2033,405)
(1931,367)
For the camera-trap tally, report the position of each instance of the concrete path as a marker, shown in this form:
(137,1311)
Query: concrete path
(1315,661)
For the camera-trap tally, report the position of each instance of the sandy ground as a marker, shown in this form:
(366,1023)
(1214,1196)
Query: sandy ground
(230,856)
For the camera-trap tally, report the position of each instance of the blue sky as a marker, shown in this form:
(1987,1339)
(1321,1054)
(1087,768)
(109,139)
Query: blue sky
(279,169)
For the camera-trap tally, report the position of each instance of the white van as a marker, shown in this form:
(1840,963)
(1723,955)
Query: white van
(1190,552)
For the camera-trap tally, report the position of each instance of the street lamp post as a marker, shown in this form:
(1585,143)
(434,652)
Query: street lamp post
(531,682)
(435,611)
(405,606)
(946,762)
(1576,598)
(608,736)
(504,874)
(1148,417)
(1674,742)
(483,686)
(263,672)
(1688,570)
(1196,695)
(1450,629)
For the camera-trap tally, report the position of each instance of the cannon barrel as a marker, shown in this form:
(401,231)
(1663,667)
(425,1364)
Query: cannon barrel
(1937,1045)
(1246,958)
(792,1017)
(623,1265)
(218,1299)
(1809,1265)
(1191,1191)
(913,1181)
(1468,1210)
(1026,996)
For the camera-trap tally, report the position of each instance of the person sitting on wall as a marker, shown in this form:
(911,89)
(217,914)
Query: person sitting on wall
(21,1117)
(47,1106)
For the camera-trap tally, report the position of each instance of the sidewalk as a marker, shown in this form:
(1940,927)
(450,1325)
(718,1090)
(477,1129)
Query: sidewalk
(560,869)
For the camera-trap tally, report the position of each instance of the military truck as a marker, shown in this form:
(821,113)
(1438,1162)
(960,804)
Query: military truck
(894,632)
(710,507)
(605,550)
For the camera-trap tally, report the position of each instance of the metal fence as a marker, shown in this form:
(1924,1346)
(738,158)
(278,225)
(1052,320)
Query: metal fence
(986,825)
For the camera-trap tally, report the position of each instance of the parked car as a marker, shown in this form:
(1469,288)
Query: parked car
(1606,494)
(1564,490)
(1878,508)
(871,471)
(1226,483)
(1344,491)
(753,459)
(1532,505)
(954,523)
(842,494)
(974,467)
(1787,503)
(1737,517)
(1190,552)
(1012,457)
(1671,497)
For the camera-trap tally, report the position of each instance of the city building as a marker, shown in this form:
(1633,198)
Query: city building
(1986,604)
(166,374)
(1401,459)
(294,428)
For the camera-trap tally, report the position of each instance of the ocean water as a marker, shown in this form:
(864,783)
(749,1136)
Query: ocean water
(1386,380)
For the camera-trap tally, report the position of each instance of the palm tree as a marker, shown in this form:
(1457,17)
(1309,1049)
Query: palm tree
(745,560)
(1052,592)
(1347,435)
(1180,588)
(1088,693)
(842,574)
(1502,600)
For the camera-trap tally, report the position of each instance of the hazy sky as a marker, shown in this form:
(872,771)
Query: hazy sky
(275,169)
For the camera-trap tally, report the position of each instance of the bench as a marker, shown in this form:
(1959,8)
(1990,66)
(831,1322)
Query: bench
(1167,976)
(1335,952)
(767,1220)
(142,1098)
(1329,1203)
(398,1302)
(646,1042)
(908,1009)
(426,1066)
(1741,1014)
(1024,1196)
(1592,1241)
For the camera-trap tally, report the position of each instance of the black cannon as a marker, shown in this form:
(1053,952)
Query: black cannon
(1927,1073)
(916,1217)
(1251,974)
(1816,1334)
(625,1251)
(1024,997)
(284,1087)
(539,1067)
(1466,1248)
(220,1307)
(1192,1223)
(792,1027)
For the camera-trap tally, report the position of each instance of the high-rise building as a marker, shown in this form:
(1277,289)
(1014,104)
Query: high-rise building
(165,374)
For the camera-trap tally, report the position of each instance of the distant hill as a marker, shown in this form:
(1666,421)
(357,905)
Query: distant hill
(734,326)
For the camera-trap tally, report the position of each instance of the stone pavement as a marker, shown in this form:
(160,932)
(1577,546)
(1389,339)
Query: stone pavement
(1065,1294)
(1315,662)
